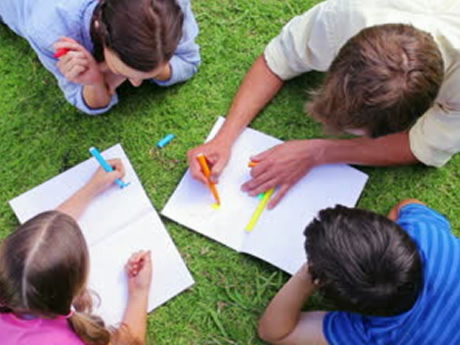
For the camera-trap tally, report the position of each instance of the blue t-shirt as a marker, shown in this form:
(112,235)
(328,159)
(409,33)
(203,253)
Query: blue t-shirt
(435,317)
(43,22)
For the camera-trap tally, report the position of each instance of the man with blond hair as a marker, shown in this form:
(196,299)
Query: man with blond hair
(393,79)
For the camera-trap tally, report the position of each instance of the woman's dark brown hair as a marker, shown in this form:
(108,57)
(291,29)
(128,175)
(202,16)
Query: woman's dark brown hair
(143,33)
(43,270)
(382,80)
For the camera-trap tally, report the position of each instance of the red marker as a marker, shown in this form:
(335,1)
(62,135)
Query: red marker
(61,52)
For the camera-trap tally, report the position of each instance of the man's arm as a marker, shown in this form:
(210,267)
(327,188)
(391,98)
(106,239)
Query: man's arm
(283,323)
(393,149)
(285,164)
(259,86)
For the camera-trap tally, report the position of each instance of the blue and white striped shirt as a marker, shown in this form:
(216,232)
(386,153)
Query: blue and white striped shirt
(435,317)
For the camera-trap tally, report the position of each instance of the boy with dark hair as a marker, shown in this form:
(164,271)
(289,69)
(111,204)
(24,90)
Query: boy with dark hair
(393,280)
(393,71)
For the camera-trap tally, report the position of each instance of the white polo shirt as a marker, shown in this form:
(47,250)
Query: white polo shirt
(312,40)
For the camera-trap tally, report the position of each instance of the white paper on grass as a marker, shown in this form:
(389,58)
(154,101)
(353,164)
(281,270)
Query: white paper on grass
(117,223)
(278,235)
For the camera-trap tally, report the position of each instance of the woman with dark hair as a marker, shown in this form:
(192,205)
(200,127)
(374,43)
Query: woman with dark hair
(93,46)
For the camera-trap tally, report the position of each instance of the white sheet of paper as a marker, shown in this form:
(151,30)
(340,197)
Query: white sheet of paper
(127,203)
(278,235)
(117,223)
(170,275)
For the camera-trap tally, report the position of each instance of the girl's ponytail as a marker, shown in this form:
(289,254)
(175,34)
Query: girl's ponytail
(90,328)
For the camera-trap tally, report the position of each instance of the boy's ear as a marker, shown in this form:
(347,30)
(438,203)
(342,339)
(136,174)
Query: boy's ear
(314,277)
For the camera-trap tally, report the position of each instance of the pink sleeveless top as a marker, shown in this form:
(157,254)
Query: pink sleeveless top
(16,331)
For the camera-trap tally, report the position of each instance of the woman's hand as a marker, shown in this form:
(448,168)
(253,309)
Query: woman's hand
(78,64)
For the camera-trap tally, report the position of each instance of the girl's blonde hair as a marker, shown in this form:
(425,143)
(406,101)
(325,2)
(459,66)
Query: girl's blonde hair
(43,271)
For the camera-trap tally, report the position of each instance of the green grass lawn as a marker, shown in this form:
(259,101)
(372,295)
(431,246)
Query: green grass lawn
(41,135)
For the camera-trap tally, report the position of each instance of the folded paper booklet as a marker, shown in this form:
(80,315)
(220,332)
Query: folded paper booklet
(278,234)
(116,224)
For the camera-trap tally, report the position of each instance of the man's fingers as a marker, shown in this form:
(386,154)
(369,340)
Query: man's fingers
(254,183)
(262,188)
(195,169)
(278,196)
(261,156)
(217,170)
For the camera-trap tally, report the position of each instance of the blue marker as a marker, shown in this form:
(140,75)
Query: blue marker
(106,166)
(165,141)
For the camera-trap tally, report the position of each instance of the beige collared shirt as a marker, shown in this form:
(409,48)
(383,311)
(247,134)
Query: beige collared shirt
(312,40)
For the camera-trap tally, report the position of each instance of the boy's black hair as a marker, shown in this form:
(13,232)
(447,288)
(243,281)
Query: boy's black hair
(365,263)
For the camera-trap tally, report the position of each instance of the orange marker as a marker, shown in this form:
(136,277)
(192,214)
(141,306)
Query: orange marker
(205,168)
(252,164)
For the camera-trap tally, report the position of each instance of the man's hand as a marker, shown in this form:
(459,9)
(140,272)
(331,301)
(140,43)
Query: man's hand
(217,152)
(281,166)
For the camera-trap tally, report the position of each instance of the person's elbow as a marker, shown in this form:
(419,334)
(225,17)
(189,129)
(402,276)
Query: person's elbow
(191,67)
(95,112)
(394,212)
(265,332)
(85,108)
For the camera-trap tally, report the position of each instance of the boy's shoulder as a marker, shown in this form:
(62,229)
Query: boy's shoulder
(413,217)
(434,316)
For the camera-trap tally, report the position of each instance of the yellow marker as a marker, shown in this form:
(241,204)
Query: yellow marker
(215,206)
(260,208)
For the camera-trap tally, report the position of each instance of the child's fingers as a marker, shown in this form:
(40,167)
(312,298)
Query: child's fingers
(135,257)
(132,266)
(146,260)
(118,166)
(137,262)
